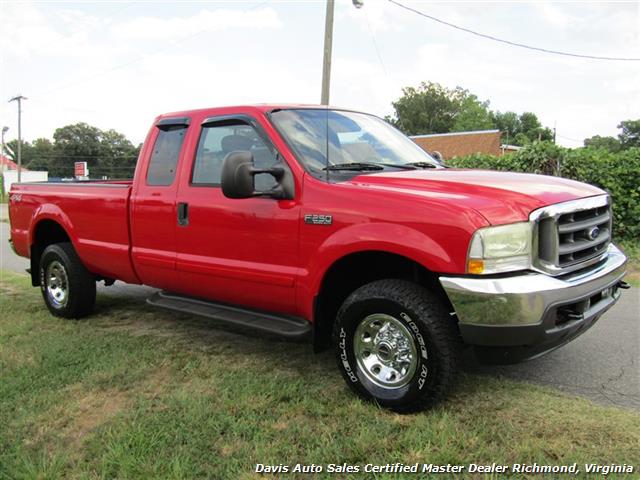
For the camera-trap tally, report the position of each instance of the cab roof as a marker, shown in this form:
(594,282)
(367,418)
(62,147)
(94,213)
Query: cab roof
(259,107)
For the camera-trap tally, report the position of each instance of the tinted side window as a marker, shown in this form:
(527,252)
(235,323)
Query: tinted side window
(217,141)
(166,152)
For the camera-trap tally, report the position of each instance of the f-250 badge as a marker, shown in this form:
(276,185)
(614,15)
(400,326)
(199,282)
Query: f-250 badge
(313,219)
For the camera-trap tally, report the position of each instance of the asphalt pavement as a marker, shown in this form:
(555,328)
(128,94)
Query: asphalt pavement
(603,364)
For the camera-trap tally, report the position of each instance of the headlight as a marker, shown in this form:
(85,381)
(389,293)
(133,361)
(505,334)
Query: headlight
(500,249)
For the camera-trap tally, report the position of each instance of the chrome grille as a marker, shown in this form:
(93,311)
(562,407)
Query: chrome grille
(571,235)
(583,235)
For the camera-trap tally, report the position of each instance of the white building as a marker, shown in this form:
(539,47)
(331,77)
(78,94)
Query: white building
(9,171)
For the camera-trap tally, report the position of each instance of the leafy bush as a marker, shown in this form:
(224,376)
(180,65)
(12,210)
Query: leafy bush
(485,161)
(617,173)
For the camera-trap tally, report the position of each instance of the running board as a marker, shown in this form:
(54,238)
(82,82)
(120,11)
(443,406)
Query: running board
(282,326)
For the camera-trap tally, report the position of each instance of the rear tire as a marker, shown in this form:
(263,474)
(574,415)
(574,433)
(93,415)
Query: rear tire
(68,288)
(396,344)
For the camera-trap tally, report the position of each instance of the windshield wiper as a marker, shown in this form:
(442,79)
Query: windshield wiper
(423,164)
(370,166)
(404,166)
(354,166)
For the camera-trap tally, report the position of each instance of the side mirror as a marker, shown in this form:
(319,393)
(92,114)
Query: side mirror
(437,156)
(238,178)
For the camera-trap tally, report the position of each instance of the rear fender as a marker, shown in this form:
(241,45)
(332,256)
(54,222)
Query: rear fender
(46,212)
(52,212)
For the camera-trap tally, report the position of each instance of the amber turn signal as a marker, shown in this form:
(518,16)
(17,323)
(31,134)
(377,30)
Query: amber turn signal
(475,266)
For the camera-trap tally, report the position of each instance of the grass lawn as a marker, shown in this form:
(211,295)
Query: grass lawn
(133,392)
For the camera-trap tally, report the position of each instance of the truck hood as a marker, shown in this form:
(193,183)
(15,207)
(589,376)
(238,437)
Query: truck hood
(501,197)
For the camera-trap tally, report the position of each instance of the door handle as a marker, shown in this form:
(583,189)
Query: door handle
(183,214)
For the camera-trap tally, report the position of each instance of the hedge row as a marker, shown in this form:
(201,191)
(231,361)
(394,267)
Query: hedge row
(617,173)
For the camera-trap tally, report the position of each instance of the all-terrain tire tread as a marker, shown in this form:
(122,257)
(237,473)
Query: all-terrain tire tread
(82,283)
(442,330)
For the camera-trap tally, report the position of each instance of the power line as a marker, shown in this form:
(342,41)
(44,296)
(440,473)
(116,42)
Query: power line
(375,43)
(569,138)
(508,42)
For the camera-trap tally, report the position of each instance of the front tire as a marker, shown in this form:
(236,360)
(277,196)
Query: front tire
(396,344)
(68,288)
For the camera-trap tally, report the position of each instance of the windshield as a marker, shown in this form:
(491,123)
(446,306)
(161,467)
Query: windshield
(351,138)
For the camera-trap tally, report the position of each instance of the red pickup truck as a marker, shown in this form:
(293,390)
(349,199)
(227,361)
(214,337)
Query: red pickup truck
(328,224)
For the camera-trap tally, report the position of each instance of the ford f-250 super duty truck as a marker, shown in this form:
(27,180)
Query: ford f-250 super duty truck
(304,221)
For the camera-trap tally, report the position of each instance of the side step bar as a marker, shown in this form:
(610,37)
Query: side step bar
(282,326)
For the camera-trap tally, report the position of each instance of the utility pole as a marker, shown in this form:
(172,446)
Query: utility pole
(328,44)
(4,130)
(19,99)
(558,164)
(326,59)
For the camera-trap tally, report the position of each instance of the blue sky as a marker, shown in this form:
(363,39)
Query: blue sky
(118,64)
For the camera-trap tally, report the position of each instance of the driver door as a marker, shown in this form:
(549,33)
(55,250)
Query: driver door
(239,251)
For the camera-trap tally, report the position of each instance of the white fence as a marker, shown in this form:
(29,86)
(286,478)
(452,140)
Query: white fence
(11,176)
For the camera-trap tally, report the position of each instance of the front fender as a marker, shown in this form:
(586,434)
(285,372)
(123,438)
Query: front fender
(391,238)
(375,236)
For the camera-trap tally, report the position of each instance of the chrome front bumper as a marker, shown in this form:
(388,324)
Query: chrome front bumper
(532,311)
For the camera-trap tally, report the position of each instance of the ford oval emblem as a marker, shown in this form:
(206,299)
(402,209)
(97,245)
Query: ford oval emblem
(593,233)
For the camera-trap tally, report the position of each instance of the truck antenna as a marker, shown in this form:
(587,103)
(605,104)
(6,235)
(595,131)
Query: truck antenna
(326,111)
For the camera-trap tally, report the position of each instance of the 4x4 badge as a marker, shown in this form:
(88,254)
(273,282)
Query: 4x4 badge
(314,219)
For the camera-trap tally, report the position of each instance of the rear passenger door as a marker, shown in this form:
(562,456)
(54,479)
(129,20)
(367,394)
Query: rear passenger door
(240,251)
(153,205)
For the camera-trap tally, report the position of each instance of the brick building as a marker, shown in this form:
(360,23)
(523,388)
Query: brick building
(459,144)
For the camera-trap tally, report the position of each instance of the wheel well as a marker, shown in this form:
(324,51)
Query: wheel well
(355,270)
(47,232)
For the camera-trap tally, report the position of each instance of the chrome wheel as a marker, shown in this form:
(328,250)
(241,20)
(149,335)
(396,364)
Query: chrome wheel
(57,284)
(385,351)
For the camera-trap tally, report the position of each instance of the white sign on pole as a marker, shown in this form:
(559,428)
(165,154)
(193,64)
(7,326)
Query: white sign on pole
(81,171)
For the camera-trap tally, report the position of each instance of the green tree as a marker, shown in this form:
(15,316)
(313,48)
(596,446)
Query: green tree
(41,154)
(521,129)
(430,108)
(117,156)
(533,129)
(520,139)
(473,115)
(630,135)
(529,122)
(607,143)
(107,153)
(509,124)
(26,153)
(74,143)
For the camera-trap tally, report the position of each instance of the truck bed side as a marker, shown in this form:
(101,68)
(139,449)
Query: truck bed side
(93,215)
